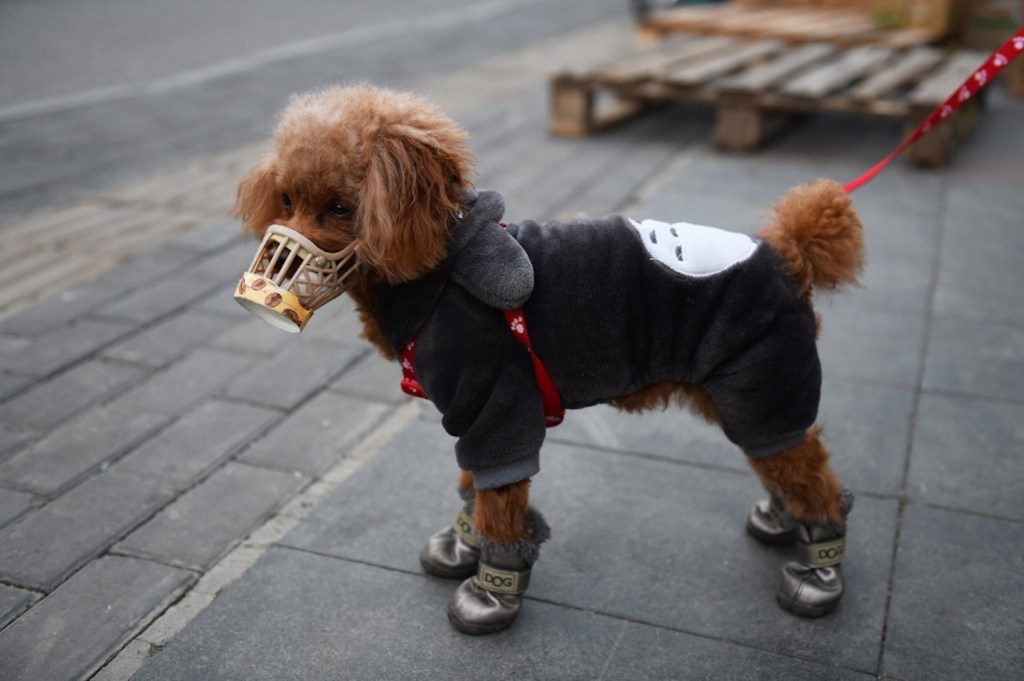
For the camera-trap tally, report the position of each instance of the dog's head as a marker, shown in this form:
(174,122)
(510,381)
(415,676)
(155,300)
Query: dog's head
(362,165)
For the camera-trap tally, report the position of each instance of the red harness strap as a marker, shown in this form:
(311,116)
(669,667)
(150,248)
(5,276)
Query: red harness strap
(554,412)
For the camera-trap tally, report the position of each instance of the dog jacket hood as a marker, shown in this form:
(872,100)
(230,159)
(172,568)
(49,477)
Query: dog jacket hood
(488,262)
(614,306)
(482,258)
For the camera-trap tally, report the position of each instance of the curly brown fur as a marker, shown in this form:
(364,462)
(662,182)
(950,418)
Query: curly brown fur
(466,480)
(818,233)
(663,395)
(500,513)
(395,165)
(802,478)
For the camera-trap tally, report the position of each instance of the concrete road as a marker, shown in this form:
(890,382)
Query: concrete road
(96,92)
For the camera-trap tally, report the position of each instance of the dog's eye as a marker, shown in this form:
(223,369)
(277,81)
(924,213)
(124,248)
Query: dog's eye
(287,201)
(339,211)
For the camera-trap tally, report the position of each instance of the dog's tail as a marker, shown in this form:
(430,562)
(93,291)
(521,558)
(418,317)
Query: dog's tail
(816,230)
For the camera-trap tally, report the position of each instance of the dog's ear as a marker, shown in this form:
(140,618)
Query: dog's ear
(258,203)
(412,191)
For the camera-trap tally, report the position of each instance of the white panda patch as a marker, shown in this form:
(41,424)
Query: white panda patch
(694,250)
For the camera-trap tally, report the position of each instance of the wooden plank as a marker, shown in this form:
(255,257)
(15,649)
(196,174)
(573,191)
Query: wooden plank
(810,78)
(576,111)
(908,68)
(755,19)
(738,126)
(850,25)
(770,73)
(572,107)
(935,148)
(908,37)
(833,76)
(710,69)
(642,58)
(644,68)
(935,89)
(690,18)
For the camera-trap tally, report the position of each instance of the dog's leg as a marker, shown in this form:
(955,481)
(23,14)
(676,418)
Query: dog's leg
(510,533)
(813,504)
(454,552)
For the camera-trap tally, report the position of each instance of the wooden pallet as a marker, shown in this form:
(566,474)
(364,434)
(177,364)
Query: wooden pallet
(748,81)
(844,25)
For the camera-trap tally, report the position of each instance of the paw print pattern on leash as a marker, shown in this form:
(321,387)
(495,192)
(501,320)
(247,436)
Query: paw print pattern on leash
(516,324)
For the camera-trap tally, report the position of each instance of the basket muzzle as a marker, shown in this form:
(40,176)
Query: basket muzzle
(290,277)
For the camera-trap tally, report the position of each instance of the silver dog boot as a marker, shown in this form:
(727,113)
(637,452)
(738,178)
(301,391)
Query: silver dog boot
(454,552)
(813,584)
(489,601)
(769,523)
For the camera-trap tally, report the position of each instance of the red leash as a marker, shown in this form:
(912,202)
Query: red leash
(985,74)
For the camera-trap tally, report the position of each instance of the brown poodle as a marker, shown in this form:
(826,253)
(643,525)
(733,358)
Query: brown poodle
(722,323)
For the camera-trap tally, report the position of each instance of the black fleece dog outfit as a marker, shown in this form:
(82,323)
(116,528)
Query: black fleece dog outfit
(613,306)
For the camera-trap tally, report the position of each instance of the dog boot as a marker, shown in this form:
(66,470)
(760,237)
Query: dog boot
(813,584)
(454,552)
(490,600)
(769,523)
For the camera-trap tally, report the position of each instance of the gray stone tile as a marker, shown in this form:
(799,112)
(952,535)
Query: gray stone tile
(866,428)
(71,632)
(13,602)
(155,299)
(10,344)
(977,355)
(226,264)
(220,302)
(674,433)
(980,272)
(870,344)
(205,522)
(49,403)
(13,504)
(367,526)
(956,601)
(169,340)
(373,377)
(45,546)
(295,373)
(82,300)
(252,336)
(11,384)
(62,347)
(175,389)
(697,572)
(216,235)
(11,442)
(900,250)
(198,442)
(637,152)
(645,568)
(967,454)
(316,434)
(651,654)
(371,623)
(77,448)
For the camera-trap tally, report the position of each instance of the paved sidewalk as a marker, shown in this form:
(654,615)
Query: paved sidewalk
(176,503)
